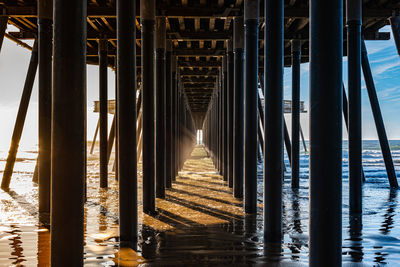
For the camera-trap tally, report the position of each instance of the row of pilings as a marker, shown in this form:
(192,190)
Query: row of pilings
(167,122)
(231,128)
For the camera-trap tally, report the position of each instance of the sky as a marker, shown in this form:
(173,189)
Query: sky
(14,60)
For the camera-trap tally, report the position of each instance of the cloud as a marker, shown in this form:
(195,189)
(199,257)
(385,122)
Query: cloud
(380,59)
(377,70)
(374,47)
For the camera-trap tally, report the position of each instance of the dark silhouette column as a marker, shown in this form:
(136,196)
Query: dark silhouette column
(225,116)
(326,51)
(168,117)
(230,118)
(237,91)
(353,11)
(273,121)
(68,166)
(147,20)
(126,123)
(45,50)
(160,107)
(103,132)
(174,94)
(295,163)
(251,19)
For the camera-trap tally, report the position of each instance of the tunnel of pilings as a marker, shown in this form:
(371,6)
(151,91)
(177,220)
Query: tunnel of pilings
(184,66)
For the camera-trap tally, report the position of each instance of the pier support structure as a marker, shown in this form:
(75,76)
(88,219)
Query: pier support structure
(68,166)
(326,51)
(251,20)
(174,94)
(147,21)
(224,113)
(376,112)
(273,121)
(103,131)
(230,116)
(126,123)
(45,49)
(160,107)
(353,11)
(20,120)
(224,117)
(168,116)
(237,90)
(295,162)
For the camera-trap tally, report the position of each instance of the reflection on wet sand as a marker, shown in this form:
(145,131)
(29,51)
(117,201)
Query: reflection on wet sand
(198,223)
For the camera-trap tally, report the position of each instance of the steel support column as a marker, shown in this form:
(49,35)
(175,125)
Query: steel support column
(160,107)
(376,111)
(353,11)
(68,166)
(220,119)
(45,51)
(225,116)
(103,132)
(326,50)
(238,111)
(174,141)
(147,21)
(20,120)
(251,19)
(295,164)
(273,121)
(230,117)
(168,117)
(126,123)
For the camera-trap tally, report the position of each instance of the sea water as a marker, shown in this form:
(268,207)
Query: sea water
(377,242)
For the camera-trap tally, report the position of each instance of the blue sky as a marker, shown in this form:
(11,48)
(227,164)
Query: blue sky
(14,60)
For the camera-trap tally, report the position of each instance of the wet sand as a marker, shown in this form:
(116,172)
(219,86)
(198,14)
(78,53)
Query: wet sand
(199,223)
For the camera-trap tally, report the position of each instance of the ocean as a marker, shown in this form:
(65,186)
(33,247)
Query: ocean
(377,242)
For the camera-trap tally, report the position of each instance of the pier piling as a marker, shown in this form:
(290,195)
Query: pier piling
(168,116)
(295,162)
(273,121)
(326,51)
(251,20)
(68,165)
(231,111)
(147,21)
(103,131)
(45,53)
(353,11)
(126,123)
(237,90)
(160,107)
